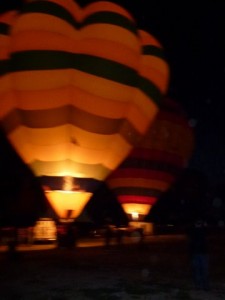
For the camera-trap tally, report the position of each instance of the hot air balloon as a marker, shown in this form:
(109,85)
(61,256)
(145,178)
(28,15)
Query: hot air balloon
(79,87)
(155,164)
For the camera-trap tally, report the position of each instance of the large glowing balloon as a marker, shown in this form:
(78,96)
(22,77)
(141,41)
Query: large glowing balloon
(155,164)
(78,90)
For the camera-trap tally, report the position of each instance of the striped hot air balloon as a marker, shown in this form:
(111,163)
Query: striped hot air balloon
(154,165)
(79,87)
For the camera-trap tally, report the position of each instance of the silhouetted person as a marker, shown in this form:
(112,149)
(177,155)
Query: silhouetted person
(142,238)
(108,232)
(119,236)
(199,254)
(12,252)
(71,236)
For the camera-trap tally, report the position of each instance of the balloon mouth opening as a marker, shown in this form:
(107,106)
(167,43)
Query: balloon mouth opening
(136,211)
(69,184)
(48,190)
(136,217)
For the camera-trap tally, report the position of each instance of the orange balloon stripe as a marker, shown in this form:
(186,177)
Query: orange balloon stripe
(8,17)
(49,99)
(73,116)
(148,39)
(97,6)
(158,78)
(38,21)
(43,40)
(70,6)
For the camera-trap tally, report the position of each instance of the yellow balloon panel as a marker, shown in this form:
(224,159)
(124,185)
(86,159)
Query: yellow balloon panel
(111,154)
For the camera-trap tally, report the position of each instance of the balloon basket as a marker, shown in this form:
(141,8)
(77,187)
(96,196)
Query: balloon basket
(146,227)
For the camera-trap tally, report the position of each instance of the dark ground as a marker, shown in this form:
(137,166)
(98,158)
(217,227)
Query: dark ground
(127,271)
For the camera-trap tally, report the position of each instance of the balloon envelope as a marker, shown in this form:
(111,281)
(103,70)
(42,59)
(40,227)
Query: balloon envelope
(79,87)
(154,165)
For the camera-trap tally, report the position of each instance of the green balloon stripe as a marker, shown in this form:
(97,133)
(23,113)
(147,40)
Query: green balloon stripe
(101,67)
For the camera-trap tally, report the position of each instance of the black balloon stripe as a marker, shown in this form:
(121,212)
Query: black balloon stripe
(101,67)
(154,51)
(4,63)
(102,17)
(55,60)
(150,89)
(4,66)
(4,28)
(112,18)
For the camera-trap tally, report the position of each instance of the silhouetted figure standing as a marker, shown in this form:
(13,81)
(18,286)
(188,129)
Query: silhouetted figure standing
(108,232)
(71,236)
(13,253)
(199,254)
(119,236)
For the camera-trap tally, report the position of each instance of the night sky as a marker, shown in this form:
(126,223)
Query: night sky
(193,38)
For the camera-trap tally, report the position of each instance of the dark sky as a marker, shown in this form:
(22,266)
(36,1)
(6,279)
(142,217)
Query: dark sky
(193,38)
